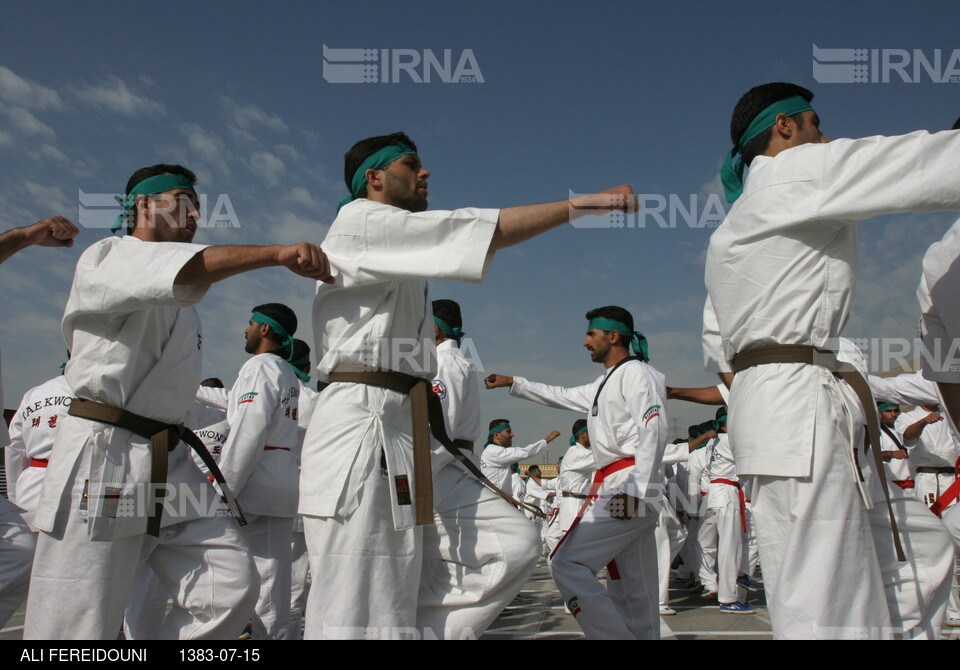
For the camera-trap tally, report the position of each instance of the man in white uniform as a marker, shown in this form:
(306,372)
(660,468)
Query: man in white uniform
(31,440)
(894,450)
(358,483)
(935,454)
(259,460)
(628,435)
(499,456)
(17,542)
(136,344)
(576,475)
(780,271)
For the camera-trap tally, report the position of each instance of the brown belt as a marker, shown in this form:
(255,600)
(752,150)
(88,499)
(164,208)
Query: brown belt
(464,445)
(164,437)
(810,355)
(427,416)
(930,470)
(571,494)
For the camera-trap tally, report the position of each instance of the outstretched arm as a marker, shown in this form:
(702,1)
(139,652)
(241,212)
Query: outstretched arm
(518,224)
(217,263)
(54,231)
(577,398)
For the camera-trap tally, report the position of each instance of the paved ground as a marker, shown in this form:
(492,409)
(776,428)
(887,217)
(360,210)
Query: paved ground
(537,614)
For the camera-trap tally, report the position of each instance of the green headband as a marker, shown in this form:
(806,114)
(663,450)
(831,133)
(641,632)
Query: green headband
(886,405)
(497,429)
(152,186)
(299,363)
(448,330)
(258,317)
(732,172)
(637,340)
(573,438)
(375,161)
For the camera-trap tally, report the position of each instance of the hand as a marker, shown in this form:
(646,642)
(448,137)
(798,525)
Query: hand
(623,506)
(306,260)
(552,436)
(498,381)
(933,417)
(620,198)
(53,231)
(551,496)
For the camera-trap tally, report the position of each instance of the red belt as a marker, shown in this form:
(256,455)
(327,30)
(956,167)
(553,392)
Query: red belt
(904,483)
(38,462)
(276,448)
(743,504)
(948,496)
(598,478)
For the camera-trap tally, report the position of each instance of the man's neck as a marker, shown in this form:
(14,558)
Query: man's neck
(615,355)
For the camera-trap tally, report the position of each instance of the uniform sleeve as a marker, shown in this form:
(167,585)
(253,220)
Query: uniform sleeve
(579,459)
(676,453)
(130,275)
(509,455)
(713,357)
(871,176)
(578,398)
(213,397)
(459,396)
(646,407)
(253,400)
(15,455)
(371,243)
(906,389)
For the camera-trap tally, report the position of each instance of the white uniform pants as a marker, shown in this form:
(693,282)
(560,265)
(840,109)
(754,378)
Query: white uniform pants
(820,567)
(627,607)
(299,581)
(721,540)
(17,546)
(929,486)
(670,536)
(269,539)
(80,588)
(918,589)
(447,580)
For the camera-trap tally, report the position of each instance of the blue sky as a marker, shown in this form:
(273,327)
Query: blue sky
(575,97)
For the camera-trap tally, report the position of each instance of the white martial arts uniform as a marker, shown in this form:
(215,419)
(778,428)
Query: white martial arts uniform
(377,314)
(721,528)
(935,451)
(670,534)
(300,577)
(630,422)
(495,462)
(694,507)
(31,440)
(780,270)
(143,619)
(576,475)
(898,469)
(17,546)
(136,343)
(260,466)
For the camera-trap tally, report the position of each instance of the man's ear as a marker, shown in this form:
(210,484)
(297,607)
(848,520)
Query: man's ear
(374,179)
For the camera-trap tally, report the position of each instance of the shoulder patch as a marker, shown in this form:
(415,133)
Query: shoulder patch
(651,412)
(439,388)
(247,397)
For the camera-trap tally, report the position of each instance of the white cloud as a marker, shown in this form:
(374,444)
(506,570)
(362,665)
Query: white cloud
(268,166)
(115,96)
(247,116)
(302,196)
(51,152)
(27,123)
(25,93)
(207,146)
(53,198)
(6,139)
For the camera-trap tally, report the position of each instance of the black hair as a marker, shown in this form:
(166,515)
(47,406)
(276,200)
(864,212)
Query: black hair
(449,311)
(301,350)
(956,125)
(363,149)
(145,173)
(212,382)
(286,318)
(578,424)
(617,314)
(751,104)
(497,422)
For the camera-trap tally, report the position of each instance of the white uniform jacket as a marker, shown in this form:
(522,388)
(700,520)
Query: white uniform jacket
(495,462)
(136,343)
(458,386)
(378,314)
(262,413)
(31,437)
(781,268)
(630,421)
